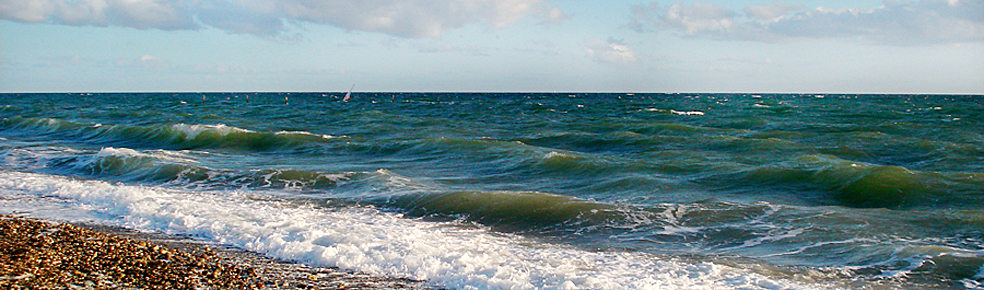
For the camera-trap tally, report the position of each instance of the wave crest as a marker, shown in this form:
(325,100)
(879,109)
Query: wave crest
(865,185)
(176,136)
(506,209)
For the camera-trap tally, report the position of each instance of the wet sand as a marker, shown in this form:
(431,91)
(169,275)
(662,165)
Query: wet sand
(36,254)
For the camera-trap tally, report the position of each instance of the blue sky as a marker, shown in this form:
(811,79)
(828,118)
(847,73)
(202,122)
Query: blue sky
(794,46)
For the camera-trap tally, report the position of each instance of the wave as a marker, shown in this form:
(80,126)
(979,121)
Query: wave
(519,156)
(447,254)
(155,165)
(506,210)
(936,262)
(175,137)
(849,183)
(709,228)
(517,210)
(174,168)
(675,112)
(859,184)
(635,140)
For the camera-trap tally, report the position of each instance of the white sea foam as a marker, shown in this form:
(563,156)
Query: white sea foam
(781,235)
(30,158)
(176,156)
(687,113)
(120,152)
(671,230)
(323,136)
(675,112)
(160,154)
(557,155)
(192,131)
(448,254)
(972,284)
(916,256)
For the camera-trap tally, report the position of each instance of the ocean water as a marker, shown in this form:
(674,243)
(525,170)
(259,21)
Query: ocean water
(528,191)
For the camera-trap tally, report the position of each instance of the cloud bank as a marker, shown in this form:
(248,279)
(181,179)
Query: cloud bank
(140,14)
(404,18)
(894,23)
(610,51)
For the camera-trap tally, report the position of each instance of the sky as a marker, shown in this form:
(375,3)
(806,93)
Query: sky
(750,46)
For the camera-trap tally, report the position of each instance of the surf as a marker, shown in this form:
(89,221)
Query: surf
(365,240)
(847,191)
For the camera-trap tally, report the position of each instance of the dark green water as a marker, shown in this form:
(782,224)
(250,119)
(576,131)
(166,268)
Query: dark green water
(851,191)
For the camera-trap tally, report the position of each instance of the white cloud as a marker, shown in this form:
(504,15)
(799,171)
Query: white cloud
(144,14)
(405,18)
(895,23)
(410,18)
(144,61)
(552,15)
(25,11)
(696,18)
(140,14)
(610,51)
(699,17)
(771,12)
(241,18)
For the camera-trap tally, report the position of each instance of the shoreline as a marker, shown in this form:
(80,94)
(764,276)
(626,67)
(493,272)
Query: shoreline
(43,254)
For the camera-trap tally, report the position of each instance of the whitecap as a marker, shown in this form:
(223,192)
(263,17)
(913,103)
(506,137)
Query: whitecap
(304,133)
(557,155)
(687,113)
(447,254)
(159,154)
(192,131)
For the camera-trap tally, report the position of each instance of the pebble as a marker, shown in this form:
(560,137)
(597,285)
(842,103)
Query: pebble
(38,254)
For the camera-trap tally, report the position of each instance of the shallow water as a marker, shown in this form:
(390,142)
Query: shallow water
(528,191)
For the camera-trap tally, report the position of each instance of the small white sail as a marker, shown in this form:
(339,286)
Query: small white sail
(349,94)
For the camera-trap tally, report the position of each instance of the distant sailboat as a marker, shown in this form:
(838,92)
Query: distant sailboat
(349,94)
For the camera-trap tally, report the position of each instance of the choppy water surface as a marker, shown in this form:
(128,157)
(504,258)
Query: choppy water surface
(528,191)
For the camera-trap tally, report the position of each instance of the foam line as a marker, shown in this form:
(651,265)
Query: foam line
(448,254)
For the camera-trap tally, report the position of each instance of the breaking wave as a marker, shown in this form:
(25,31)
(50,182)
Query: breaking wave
(174,137)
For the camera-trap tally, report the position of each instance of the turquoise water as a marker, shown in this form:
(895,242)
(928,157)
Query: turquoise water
(778,190)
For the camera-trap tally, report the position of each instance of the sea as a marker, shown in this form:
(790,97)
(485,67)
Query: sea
(527,190)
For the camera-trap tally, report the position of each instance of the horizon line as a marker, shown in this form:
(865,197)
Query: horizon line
(494,92)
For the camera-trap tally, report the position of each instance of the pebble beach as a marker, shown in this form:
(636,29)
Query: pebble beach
(509,190)
(38,254)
